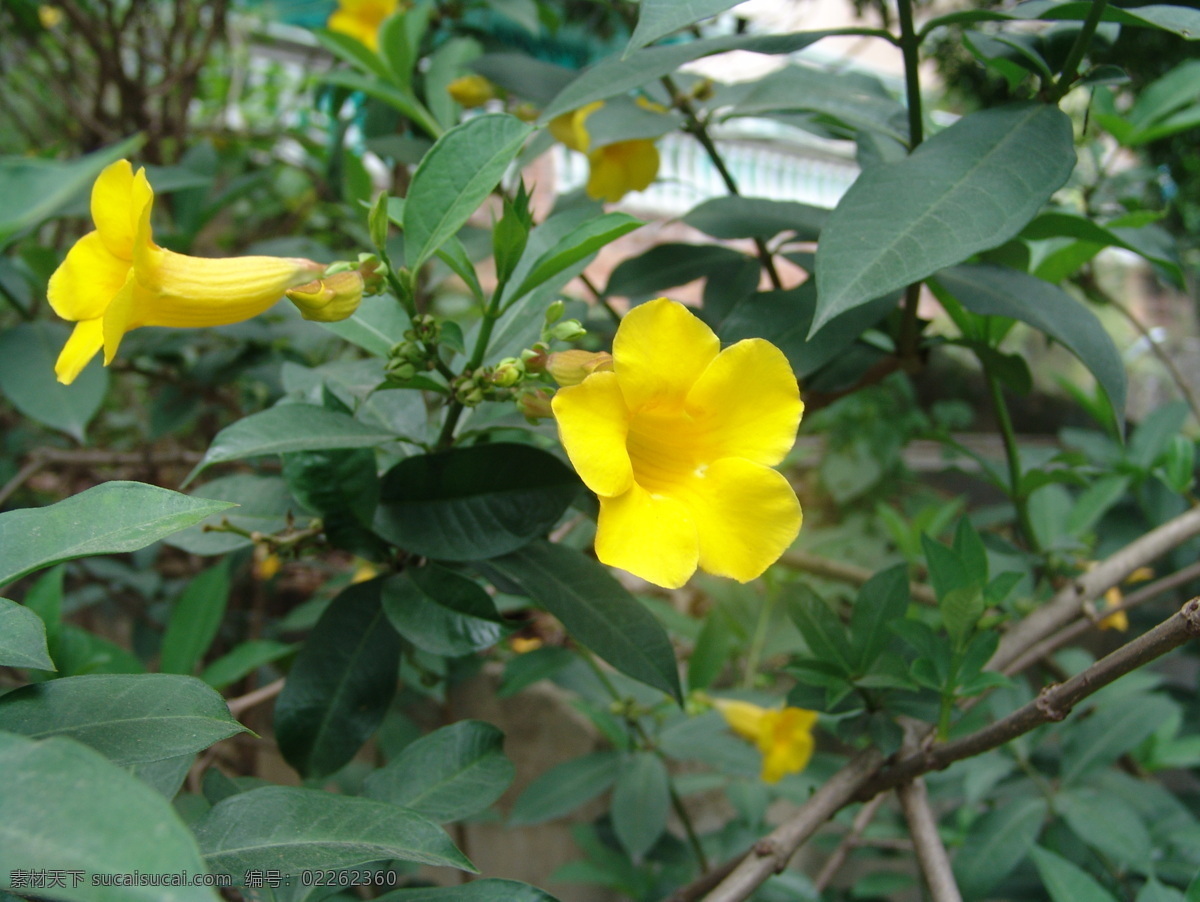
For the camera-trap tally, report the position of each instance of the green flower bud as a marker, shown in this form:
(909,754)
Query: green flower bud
(568,330)
(554,312)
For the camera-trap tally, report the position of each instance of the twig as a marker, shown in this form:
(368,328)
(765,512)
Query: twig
(262,694)
(1053,704)
(931,854)
(846,573)
(22,475)
(849,843)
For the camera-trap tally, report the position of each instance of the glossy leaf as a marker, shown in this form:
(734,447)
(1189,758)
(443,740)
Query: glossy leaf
(659,18)
(997,843)
(119,825)
(1067,882)
(450,774)
(966,189)
(195,619)
(596,610)
(453,179)
(488,890)
(441,611)
(564,788)
(577,244)
(129,718)
(473,503)
(288,829)
(22,638)
(27,355)
(756,217)
(287,428)
(108,519)
(1000,291)
(340,685)
(640,803)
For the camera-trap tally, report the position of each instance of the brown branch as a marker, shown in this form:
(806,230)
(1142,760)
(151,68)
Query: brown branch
(931,854)
(257,697)
(849,843)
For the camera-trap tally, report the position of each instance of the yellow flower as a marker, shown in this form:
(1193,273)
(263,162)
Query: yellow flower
(1119,620)
(783,735)
(471,91)
(614,169)
(678,442)
(361,19)
(116,279)
(49,16)
(572,367)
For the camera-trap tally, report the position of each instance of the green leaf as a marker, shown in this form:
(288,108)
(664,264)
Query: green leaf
(961,609)
(36,189)
(263,504)
(1111,731)
(596,610)
(580,242)
(243,660)
(966,189)
(756,217)
(1066,882)
(473,503)
(27,355)
(669,265)
(450,774)
(1053,224)
(640,803)
(999,291)
(1153,891)
(340,685)
(454,177)
(107,519)
(1094,502)
(659,18)
(823,632)
(1108,824)
(287,428)
(353,51)
(195,620)
(997,843)
(441,611)
(119,825)
(564,788)
(400,41)
(713,647)
(533,666)
(398,98)
(1152,437)
(487,890)
(378,324)
(22,638)
(129,718)
(288,829)
(882,600)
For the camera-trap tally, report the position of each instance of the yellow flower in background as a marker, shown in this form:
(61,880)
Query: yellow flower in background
(49,16)
(471,91)
(116,279)
(360,19)
(783,735)
(1119,620)
(678,441)
(614,169)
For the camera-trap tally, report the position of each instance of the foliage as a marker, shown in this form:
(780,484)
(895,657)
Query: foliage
(372,521)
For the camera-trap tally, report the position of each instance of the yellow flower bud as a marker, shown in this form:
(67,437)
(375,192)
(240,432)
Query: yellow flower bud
(471,91)
(572,367)
(535,406)
(330,299)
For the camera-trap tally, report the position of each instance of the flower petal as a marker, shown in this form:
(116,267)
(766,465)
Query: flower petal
(87,279)
(592,424)
(789,754)
(616,169)
(570,129)
(120,199)
(660,349)
(746,516)
(747,403)
(744,718)
(651,536)
(118,316)
(86,340)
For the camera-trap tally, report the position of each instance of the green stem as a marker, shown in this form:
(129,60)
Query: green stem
(910,44)
(490,314)
(1083,40)
(1013,453)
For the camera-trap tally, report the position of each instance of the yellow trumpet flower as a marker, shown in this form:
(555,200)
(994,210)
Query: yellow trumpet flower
(678,441)
(783,735)
(613,169)
(116,279)
(361,19)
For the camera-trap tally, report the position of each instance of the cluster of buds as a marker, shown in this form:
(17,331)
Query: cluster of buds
(417,352)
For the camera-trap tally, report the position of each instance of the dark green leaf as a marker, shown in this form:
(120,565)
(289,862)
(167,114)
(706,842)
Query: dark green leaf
(577,244)
(288,829)
(340,685)
(1067,882)
(997,843)
(882,600)
(596,610)
(243,660)
(1108,824)
(22,638)
(129,718)
(756,217)
(564,788)
(441,611)
(1110,732)
(659,18)
(823,632)
(262,504)
(108,519)
(640,803)
(378,324)
(966,189)
(453,179)
(473,503)
(27,355)
(119,825)
(194,620)
(665,266)
(488,890)
(450,774)
(999,291)
(532,666)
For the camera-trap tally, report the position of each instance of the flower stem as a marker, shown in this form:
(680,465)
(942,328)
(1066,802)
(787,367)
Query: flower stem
(1013,453)
(1083,40)
(490,314)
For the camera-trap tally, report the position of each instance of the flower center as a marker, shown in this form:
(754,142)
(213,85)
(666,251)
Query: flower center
(665,449)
